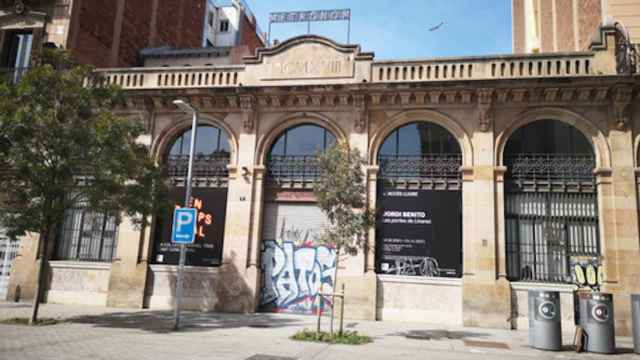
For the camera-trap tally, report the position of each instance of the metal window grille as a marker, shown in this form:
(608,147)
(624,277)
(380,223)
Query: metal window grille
(8,252)
(293,170)
(87,236)
(431,171)
(551,215)
(208,170)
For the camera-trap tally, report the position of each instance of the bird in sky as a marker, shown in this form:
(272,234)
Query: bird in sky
(437,26)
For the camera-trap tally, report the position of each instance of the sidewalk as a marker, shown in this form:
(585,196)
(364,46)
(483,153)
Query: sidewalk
(103,333)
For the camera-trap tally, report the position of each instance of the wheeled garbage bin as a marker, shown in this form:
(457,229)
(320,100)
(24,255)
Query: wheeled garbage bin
(635,315)
(545,331)
(596,318)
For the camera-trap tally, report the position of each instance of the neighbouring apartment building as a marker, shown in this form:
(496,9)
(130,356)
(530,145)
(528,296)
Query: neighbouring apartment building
(569,25)
(103,33)
(231,32)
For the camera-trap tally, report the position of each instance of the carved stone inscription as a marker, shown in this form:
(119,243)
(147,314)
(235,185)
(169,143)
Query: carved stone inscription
(309,61)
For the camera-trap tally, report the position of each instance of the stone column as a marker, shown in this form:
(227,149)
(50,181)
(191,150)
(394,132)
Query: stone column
(618,205)
(129,268)
(485,297)
(238,286)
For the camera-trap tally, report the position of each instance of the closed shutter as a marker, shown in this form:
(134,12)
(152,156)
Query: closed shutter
(294,264)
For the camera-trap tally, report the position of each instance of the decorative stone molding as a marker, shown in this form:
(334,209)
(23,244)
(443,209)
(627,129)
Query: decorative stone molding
(248,106)
(620,106)
(485,108)
(360,113)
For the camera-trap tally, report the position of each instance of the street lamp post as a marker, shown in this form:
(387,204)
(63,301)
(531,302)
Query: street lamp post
(188,108)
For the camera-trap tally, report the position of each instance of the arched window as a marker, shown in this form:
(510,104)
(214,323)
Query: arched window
(210,141)
(212,154)
(551,212)
(421,150)
(419,227)
(208,196)
(292,158)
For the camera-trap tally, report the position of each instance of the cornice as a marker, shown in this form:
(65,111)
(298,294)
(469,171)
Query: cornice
(361,99)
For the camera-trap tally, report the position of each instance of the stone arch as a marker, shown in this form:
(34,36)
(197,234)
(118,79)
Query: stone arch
(432,116)
(590,131)
(166,136)
(291,120)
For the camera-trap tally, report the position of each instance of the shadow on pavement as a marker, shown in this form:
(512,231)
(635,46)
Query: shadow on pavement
(162,321)
(440,335)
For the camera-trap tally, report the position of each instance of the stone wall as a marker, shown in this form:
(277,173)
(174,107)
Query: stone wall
(78,283)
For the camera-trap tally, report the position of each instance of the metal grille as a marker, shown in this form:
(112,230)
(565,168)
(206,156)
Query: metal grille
(8,252)
(627,53)
(87,236)
(293,170)
(434,171)
(550,172)
(208,170)
(551,215)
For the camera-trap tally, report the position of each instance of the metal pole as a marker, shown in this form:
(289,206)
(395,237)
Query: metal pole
(187,198)
(269,35)
(349,31)
(308,27)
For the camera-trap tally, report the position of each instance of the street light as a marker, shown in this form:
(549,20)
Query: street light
(188,108)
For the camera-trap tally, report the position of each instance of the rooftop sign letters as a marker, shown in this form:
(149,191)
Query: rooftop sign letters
(307,16)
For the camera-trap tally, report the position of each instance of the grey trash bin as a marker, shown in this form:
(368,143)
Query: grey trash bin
(635,315)
(545,331)
(596,318)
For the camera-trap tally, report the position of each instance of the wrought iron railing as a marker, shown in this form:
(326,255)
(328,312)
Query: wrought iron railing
(204,166)
(575,170)
(287,170)
(627,53)
(443,168)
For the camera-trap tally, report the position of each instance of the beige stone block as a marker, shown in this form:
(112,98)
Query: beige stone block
(419,299)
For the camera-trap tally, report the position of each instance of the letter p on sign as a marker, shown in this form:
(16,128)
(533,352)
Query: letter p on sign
(184,226)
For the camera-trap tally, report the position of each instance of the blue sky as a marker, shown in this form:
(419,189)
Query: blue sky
(399,29)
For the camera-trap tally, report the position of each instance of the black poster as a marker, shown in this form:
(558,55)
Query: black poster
(419,232)
(207,249)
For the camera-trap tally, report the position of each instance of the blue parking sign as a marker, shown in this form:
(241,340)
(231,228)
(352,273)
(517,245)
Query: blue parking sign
(184,226)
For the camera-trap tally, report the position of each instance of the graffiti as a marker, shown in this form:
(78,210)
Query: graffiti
(292,275)
(427,266)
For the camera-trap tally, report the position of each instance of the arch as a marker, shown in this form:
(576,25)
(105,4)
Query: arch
(169,134)
(290,121)
(413,116)
(591,132)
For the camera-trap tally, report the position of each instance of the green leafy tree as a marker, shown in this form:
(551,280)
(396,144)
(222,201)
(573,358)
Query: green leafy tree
(340,191)
(60,145)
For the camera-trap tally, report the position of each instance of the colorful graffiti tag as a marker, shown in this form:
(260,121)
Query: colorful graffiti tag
(292,276)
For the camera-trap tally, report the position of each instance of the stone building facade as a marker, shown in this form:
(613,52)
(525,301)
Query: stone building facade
(491,176)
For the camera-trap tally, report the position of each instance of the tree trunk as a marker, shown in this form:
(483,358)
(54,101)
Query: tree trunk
(42,249)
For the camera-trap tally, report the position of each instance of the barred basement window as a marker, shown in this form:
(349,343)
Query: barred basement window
(87,236)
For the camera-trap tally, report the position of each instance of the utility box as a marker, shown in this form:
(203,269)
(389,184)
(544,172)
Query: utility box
(545,331)
(635,316)
(596,318)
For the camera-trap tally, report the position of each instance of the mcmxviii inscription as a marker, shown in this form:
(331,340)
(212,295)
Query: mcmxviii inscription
(312,68)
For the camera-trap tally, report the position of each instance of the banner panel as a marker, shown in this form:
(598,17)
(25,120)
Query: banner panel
(419,232)
(211,204)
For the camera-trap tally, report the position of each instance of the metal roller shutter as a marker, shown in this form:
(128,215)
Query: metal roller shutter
(294,264)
